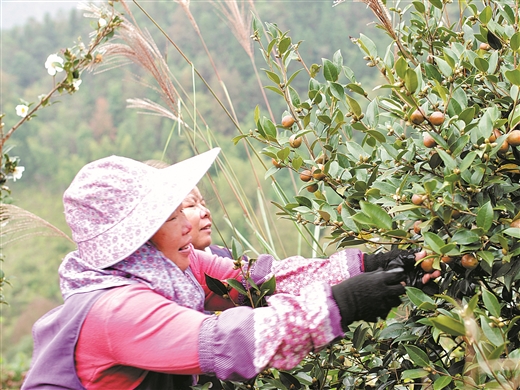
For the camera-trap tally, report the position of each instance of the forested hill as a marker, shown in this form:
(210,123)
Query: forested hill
(95,122)
(76,129)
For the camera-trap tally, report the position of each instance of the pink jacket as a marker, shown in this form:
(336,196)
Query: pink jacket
(132,330)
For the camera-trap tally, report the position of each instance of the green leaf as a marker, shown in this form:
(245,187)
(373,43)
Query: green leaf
(367,45)
(433,241)
(358,339)
(372,113)
(417,355)
(362,219)
(295,98)
(491,302)
(419,6)
(485,217)
(448,160)
(514,42)
(356,88)
(293,76)
(513,76)
(441,382)
(486,15)
(436,3)
(481,64)
(513,232)
(379,217)
(448,325)
(401,66)
(330,72)
(354,105)
(236,248)
(337,91)
(269,286)
(269,128)
(272,76)
(467,161)
(274,89)
(289,381)
(284,44)
(465,237)
(237,286)
(414,373)
(410,80)
(420,299)
(297,162)
(494,335)
(467,115)
(238,138)
(216,285)
(444,67)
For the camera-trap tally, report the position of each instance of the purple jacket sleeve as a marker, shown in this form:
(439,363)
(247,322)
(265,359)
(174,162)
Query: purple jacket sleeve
(296,272)
(241,342)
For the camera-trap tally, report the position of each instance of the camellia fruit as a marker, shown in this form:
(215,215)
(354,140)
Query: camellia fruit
(428,141)
(417,199)
(306,175)
(469,261)
(513,138)
(417,117)
(515,223)
(312,187)
(436,118)
(504,148)
(294,141)
(484,46)
(494,135)
(287,121)
(427,265)
(276,163)
(417,227)
(318,175)
(446,259)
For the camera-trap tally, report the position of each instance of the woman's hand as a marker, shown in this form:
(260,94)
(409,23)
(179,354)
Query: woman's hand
(406,259)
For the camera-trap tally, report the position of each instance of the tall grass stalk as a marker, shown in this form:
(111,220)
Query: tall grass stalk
(262,229)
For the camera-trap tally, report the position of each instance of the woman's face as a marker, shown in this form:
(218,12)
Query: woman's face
(194,208)
(173,239)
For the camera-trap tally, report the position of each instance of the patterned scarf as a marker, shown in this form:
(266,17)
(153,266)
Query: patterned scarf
(146,265)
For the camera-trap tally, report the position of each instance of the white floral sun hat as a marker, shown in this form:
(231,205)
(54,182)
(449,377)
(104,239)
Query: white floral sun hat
(115,204)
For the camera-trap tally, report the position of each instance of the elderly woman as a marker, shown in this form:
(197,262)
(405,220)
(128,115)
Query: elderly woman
(199,216)
(135,296)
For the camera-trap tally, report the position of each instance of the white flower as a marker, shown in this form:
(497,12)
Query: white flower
(76,83)
(22,110)
(17,173)
(102,23)
(54,64)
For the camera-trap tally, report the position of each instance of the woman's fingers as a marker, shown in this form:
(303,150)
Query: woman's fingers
(419,255)
(431,276)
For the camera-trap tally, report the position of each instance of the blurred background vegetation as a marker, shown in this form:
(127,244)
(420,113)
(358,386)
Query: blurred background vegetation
(95,122)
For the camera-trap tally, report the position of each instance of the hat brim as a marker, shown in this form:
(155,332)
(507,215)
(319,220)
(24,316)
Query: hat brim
(168,188)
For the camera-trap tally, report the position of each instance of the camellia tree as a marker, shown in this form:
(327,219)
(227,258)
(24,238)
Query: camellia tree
(428,159)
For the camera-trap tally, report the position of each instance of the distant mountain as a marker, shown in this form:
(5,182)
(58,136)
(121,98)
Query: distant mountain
(18,12)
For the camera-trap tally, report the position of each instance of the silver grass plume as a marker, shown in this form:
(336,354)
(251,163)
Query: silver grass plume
(379,9)
(239,21)
(17,223)
(139,47)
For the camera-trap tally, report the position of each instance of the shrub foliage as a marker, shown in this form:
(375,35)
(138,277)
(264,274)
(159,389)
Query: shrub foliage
(430,160)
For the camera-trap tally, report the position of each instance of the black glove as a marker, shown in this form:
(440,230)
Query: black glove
(369,295)
(388,260)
